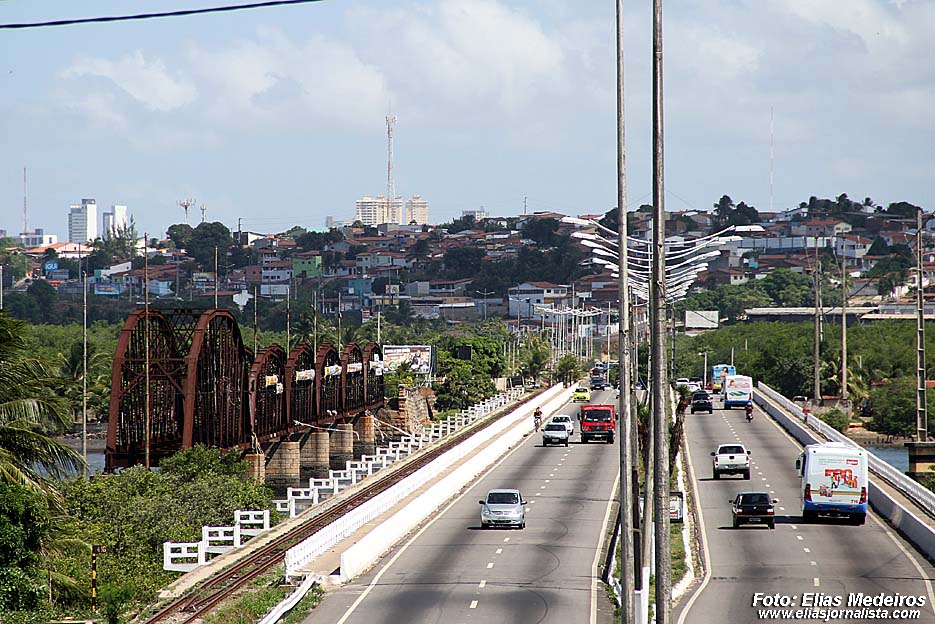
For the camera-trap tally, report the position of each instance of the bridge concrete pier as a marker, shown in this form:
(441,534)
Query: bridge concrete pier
(257,469)
(364,441)
(283,466)
(342,446)
(314,457)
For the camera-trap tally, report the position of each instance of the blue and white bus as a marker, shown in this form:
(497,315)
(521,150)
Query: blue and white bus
(834,481)
(718,373)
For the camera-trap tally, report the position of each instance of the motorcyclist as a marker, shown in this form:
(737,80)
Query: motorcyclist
(749,409)
(537,418)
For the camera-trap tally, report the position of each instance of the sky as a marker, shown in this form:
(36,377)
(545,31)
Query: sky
(276,116)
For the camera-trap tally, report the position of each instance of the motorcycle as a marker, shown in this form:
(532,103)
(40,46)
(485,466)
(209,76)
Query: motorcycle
(749,412)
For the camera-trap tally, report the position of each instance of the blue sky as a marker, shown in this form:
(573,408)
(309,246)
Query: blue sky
(277,115)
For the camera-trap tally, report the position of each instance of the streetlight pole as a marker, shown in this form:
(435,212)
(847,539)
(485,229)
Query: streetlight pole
(660,385)
(485,293)
(844,318)
(627,538)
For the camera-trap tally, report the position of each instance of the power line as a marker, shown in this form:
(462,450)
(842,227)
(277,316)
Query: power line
(145,16)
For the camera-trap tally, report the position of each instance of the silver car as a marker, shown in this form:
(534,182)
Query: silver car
(554,433)
(503,508)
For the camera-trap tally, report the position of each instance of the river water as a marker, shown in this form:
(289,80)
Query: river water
(896,456)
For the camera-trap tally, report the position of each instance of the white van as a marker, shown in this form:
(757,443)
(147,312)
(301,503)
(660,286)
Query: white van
(834,481)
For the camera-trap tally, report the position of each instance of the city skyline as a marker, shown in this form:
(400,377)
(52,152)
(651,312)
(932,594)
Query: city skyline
(278,116)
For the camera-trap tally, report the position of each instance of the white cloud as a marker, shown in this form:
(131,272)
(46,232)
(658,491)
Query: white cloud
(148,82)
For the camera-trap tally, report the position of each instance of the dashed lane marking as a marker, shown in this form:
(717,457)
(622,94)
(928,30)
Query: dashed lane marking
(817,582)
(490,565)
(799,537)
(482,584)
(474,603)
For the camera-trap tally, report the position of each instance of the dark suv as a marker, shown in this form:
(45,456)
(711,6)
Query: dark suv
(701,402)
(753,508)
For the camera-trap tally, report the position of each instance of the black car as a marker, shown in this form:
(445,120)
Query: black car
(753,508)
(701,402)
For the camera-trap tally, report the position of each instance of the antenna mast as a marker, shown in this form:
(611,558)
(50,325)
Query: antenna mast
(204,209)
(25,203)
(186,204)
(390,185)
(770,158)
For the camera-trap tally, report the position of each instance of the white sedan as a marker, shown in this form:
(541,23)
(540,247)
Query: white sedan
(567,421)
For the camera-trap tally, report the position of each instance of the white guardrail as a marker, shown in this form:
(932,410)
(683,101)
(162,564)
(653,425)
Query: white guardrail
(924,497)
(313,546)
(215,540)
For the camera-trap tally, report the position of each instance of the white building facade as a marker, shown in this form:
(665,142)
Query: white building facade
(377,210)
(417,210)
(82,221)
(114,220)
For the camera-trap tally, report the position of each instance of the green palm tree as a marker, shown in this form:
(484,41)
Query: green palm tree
(30,407)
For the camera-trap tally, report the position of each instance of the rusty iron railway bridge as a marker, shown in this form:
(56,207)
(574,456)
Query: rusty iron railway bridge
(206,387)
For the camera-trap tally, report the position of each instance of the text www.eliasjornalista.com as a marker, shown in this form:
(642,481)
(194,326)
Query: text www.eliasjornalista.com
(830,615)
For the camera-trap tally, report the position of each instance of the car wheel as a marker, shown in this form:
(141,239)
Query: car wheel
(746,475)
(711,411)
(858,520)
(693,410)
(717,475)
(772,525)
(610,440)
(523,525)
(809,515)
(566,443)
(736,523)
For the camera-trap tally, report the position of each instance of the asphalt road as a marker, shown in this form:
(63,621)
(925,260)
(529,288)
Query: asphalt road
(452,572)
(795,559)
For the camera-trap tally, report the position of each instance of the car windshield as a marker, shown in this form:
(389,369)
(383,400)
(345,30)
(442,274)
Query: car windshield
(502,498)
(754,499)
(555,427)
(731,449)
(581,390)
(600,415)
(701,396)
(561,419)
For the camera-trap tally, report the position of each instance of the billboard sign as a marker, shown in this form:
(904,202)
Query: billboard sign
(108,289)
(701,319)
(58,274)
(49,265)
(421,358)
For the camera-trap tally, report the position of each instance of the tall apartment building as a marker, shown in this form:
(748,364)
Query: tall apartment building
(82,221)
(114,220)
(417,210)
(377,210)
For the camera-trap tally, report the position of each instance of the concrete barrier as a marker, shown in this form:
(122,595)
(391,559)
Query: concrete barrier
(908,524)
(215,540)
(510,431)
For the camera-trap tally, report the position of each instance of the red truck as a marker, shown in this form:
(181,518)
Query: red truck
(597,421)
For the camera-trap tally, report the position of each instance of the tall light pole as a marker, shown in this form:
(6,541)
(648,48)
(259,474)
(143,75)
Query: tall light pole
(844,318)
(485,293)
(921,408)
(660,391)
(627,567)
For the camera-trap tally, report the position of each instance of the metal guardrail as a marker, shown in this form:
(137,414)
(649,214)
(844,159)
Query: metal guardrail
(922,496)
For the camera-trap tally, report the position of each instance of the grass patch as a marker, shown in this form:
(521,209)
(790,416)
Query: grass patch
(300,611)
(262,595)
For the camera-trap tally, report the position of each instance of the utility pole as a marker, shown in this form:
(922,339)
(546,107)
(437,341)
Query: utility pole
(816,347)
(1,286)
(147,424)
(256,329)
(921,408)
(844,318)
(84,369)
(660,382)
(217,275)
(485,293)
(289,319)
(628,569)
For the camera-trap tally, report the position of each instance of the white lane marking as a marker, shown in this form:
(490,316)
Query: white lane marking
(547,480)
(808,550)
(782,509)
(817,582)
(768,485)
(758,472)
(379,575)
(538,494)
(531,503)
(814,563)
(794,528)
(541,487)
(506,539)
(799,537)
(528,508)
(482,584)
(595,572)
(499,551)
(490,565)
(551,474)
(474,603)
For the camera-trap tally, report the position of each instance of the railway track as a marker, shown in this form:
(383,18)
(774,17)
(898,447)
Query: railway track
(200,601)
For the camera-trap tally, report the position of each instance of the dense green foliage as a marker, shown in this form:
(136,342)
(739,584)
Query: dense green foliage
(134,512)
(24,524)
(880,354)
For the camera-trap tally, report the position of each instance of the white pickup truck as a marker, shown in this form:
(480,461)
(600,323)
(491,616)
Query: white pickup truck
(731,459)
